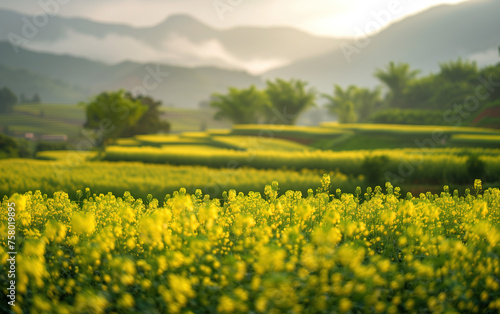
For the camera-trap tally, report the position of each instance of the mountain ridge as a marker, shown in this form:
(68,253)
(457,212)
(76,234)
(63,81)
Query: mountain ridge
(420,40)
(174,40)
(181,87)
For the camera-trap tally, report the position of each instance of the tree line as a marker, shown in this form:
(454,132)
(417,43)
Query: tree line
(280,103)
(401,95)
(8,99)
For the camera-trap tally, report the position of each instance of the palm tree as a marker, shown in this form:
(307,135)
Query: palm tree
(366,102)
(241,106)
(397,77)
(459,71)
(342,104)
(354,103)
(288,99)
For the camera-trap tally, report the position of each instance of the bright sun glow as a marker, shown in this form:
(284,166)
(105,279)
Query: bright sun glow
(321,17)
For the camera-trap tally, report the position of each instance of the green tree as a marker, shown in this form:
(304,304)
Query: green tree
(341,104)
(397,78)
(240,106)
(109,114)
(7,100)
(150,121)
(366,102)
(455,81)
(491,76)
(420,92)
(287,100)
(353,103)
(459,71)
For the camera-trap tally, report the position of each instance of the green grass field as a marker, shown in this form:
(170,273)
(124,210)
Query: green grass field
(50,119)
(61,112)
(44,119)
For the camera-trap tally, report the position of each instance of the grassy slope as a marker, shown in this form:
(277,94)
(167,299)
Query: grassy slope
(44,119)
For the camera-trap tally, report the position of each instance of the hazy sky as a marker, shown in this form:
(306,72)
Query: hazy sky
(323,17)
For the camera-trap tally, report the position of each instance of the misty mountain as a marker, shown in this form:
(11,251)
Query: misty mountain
(180,40)
(68,79)
(440,34)
(63,54)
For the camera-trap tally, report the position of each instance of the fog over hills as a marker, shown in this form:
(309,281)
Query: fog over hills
(70,59)
(81,78)
(180,40)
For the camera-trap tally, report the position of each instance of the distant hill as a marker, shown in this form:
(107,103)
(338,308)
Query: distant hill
(22,81)
(63,78)
(180,40)
(439,34)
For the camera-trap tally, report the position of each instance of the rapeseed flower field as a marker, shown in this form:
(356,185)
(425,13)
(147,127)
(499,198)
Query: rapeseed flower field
(272,252)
